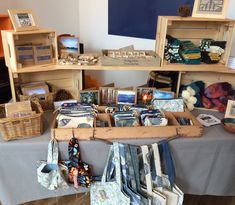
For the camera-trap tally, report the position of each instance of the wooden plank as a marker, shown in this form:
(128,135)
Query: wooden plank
(50,75)
(39,31)
(194,25)
(158,36)
(12,84)
(5,48)
(193,33)
(208,78)
(195,19)
(117,133)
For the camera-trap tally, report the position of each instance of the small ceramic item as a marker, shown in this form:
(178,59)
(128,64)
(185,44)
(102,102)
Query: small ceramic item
(228,124)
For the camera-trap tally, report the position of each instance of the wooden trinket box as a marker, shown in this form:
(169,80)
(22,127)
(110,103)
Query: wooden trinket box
(129,58)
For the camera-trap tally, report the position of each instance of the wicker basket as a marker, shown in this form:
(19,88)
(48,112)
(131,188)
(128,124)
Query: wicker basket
(45,100)
(21,127)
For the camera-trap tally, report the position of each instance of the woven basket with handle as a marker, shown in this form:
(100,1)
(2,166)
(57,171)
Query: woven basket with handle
(21,127)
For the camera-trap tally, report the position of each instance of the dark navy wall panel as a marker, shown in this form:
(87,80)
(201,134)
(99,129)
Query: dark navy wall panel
(138,18)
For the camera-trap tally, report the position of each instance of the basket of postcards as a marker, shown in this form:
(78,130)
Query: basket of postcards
(21,120)
(37,90)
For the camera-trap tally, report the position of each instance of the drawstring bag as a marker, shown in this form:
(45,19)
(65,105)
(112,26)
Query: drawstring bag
(169,169)
(110,191)
(158,198)
(79,172)
(49,172)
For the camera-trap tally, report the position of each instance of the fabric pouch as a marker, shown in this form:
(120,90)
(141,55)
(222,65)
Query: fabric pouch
(79,172)
(49,173)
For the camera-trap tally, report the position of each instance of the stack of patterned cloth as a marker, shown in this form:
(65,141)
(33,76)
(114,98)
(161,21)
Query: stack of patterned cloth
(172,50)
(212,50)
(190,53)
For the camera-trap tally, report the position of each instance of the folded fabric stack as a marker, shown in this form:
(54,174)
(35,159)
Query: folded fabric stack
(135,116)
(172,50)
(126,119)
(153,118)
(190,53)
(212,50)
(74,115)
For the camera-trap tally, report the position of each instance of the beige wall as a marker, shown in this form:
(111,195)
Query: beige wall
(89,20)
(61,15)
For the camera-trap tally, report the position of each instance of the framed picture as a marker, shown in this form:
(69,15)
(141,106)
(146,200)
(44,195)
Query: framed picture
(163,95)
(126,97)
(210,8)
(68,45)
(108,95)
(23,19)
(230,111)
(89,97)
(145,95)
(208,120)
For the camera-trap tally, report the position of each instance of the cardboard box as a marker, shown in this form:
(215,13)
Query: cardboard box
(18,109)
(43,54)
(25,55)
(34,88)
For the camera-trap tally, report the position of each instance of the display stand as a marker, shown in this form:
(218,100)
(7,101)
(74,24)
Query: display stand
(197,28)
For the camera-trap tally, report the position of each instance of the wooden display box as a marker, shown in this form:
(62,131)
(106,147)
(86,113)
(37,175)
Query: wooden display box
(11,39)
(195,29)
(128,133)
(147,61)
(70,80)
(5,24)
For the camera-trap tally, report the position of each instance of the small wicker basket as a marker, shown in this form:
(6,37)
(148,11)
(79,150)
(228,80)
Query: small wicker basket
(21,127)
(45,100)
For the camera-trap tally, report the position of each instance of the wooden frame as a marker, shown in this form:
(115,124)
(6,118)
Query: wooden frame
(133,92)
(140,97)
(108,95)
(23,19)
(208,12)
(65,51)
(97,94)
(230,111)
(171,95)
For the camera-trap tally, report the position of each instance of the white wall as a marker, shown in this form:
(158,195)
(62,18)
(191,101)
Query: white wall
(61,15)
(89,20)
(93,17)
(4,5)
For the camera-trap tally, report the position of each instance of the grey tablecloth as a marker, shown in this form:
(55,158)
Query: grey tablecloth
(203,165)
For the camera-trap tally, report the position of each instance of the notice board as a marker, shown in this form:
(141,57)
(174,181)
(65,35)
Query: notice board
(138,18)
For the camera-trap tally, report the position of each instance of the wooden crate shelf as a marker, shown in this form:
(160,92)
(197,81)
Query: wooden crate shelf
(219,68)
(195,29)
(11,39)
(70,80)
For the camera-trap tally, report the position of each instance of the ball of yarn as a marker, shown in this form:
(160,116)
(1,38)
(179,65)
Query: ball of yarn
(185,94)
(63,95)
(190,106)
(184,11)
